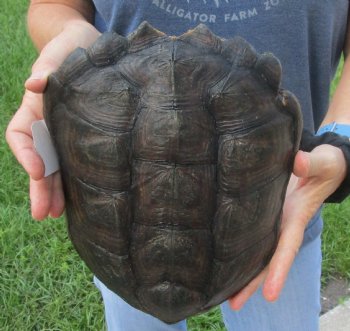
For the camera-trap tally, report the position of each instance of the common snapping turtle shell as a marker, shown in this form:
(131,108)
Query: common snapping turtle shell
(175,155)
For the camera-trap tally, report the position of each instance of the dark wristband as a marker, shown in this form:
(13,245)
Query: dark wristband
(309,141)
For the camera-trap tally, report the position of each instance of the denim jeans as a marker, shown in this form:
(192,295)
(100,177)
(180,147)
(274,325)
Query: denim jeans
(297,308)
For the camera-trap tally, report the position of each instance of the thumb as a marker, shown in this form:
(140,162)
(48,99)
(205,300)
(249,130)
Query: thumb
(76,34)
(302,164)
(37,81)
(50,58)
(310,164)
(324,161)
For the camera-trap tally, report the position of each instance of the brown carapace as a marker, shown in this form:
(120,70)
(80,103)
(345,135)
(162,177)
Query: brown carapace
(175,155)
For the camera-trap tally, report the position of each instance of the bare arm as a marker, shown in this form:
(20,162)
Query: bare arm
(57,27)
(47,19)
(339,110)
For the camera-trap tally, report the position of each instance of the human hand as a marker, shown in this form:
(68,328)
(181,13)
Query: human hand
(46,195)
(316,176)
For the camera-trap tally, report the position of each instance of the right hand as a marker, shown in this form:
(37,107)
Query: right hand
(46,195)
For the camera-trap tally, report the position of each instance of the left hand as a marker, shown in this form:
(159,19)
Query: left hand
(316,175)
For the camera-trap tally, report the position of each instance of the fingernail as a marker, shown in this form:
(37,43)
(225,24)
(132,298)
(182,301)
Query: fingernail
(270,292)
(235,304)
(37,75)
(236,307)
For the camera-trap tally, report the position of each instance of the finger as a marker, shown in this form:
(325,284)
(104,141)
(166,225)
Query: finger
(51,57)
(301,164)
(43,67)
(237,302)
(40,197)
(19,136)
(288,246)
(40,73)
(292,185)
(308,164)
(322,161)
(57,196)
(37,81)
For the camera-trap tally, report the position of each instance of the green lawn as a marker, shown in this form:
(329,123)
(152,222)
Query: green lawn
(43,283)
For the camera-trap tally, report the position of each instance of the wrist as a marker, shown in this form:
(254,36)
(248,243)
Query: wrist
(47,20)
(309,142)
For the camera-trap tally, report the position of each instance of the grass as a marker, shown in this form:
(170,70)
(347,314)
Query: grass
(335,247)
(43,283)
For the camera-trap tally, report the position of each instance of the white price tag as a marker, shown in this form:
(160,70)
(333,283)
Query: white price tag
(44,146)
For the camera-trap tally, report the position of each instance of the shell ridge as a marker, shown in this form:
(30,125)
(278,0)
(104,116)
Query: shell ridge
(230,288)
(121,256)
(145,36)
(253,124)
(176,226)
(56,86)
(246,249)
(109,130)
(201,36)
(221,298)
(239,52)
(182,164)
(74,65)
(258,186)
(290,105)
(109,48)
(100,189)
(133,282)
(270,69)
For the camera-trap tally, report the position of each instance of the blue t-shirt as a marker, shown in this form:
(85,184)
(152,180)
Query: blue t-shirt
(306,35)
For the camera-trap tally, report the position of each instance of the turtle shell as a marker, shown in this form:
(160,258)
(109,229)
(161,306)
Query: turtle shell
(175,155)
